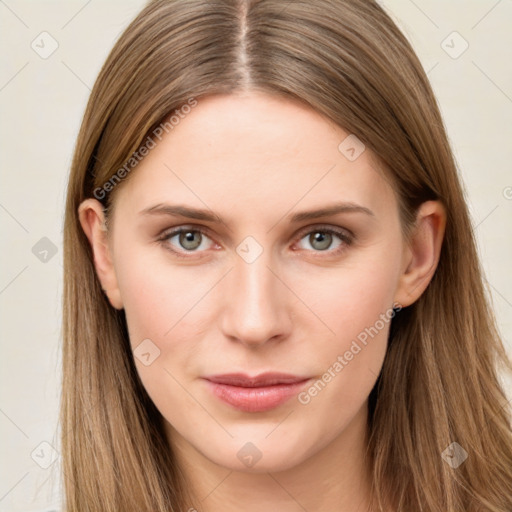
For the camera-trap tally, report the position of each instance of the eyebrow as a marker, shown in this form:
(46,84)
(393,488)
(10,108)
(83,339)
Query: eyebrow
(209,216)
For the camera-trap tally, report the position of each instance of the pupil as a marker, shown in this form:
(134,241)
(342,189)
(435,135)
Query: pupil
(324,240)
(187,240)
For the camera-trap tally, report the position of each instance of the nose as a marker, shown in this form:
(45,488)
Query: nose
(255,303)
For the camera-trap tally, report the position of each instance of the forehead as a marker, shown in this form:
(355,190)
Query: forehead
(255,153)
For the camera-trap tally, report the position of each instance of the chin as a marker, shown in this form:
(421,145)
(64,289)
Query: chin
(254,454)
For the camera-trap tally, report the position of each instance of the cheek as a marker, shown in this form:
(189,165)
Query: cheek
(352,297)
(355,304)
(156,295)
(163,305)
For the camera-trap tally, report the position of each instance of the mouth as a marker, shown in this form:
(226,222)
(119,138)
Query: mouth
(255,394)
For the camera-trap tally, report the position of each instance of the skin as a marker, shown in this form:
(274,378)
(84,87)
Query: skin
(255,160)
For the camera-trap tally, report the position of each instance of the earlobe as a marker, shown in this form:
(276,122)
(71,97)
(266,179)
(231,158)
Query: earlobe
(421,255)
(92,220)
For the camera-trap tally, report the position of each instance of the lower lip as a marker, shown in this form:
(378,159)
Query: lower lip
(256,399)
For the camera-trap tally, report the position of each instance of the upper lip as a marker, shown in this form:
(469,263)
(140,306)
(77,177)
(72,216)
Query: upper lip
(261,380)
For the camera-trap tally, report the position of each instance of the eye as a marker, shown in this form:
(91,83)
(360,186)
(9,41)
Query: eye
(186,239)
(327,239)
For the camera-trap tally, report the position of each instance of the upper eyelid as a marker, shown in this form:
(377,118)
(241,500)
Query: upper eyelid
(325,227)
(166,233)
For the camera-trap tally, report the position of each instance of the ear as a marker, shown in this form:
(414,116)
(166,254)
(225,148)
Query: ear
(421,254)
(92,219)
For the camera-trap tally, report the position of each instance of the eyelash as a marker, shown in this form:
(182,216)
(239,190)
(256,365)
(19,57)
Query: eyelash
(346,237)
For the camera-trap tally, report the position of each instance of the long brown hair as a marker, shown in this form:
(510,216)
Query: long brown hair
(439,383)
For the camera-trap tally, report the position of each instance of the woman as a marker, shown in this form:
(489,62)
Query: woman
(272,298)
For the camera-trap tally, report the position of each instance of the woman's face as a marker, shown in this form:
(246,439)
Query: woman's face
(269,288)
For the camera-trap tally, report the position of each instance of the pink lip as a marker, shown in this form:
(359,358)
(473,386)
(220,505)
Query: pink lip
(255,394)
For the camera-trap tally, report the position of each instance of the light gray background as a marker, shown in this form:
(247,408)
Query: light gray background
(42,102)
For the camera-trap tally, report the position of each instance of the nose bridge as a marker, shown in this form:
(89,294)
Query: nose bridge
(255,308)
